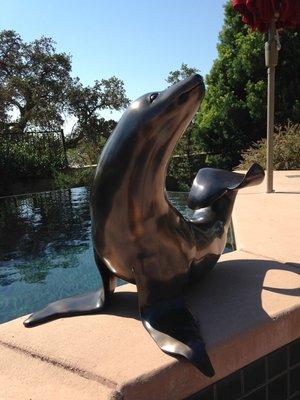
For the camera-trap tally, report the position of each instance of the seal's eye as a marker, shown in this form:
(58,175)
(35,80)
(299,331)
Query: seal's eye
(153,97)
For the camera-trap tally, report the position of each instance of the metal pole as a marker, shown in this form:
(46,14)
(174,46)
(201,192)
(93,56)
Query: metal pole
(271,58)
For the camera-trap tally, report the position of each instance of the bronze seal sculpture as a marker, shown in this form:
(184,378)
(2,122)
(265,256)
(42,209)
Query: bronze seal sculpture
(140,237)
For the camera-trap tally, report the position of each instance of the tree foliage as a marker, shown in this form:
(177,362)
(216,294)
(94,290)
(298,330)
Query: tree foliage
(37,91)
(34,81)
(26,157)
(286,146)
(178,74)
(86,104)
(233,113)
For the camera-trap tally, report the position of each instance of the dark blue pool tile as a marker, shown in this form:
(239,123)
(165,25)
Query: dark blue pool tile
(295,397)
(295,380)
(254,375)
(230,387)
(278,388)
(205,394)
(259,394)
(277,362)
(295,352)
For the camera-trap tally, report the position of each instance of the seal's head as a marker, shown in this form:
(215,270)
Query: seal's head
(138,151)
(166,113)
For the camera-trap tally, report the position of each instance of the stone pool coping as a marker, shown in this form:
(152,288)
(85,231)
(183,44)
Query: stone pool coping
(247,307)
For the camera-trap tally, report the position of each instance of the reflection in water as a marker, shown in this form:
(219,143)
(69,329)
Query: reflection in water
(42,237)
(46,249)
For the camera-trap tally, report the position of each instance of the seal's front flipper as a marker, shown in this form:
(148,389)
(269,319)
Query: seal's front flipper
(77,305)
(168,320)
(88,303)
(175,331)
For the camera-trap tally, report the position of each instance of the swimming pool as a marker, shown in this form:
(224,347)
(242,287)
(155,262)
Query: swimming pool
(46,249)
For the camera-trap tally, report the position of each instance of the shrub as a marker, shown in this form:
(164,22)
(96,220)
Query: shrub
(286,149)
(86,152)
(30,156)
(182,170)
(73,178)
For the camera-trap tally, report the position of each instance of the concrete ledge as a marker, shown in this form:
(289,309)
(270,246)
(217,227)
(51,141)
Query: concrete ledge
(247,307)
(27,376)
(268,224)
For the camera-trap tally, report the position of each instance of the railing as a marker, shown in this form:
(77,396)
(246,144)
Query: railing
(40,141)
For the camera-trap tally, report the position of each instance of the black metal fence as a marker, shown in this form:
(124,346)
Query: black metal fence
(30,156)
(38,141)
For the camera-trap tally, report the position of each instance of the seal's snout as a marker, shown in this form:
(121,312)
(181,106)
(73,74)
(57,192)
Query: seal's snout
(184,88)
(194,81)
(197,78)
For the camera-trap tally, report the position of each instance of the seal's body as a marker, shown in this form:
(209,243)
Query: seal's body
(140,237)
(130,209)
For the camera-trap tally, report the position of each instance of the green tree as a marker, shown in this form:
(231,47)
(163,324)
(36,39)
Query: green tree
(183,72)
(34,81)
(86,104)
(186,159)
(36,93)
(233,113)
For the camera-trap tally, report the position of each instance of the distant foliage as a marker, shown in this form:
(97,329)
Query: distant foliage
(86,153)
(73,178)
(28,156)
(182,171)
(183,72)
(87,103)
(34,81)
(286,149)
(37,92)
(233,112)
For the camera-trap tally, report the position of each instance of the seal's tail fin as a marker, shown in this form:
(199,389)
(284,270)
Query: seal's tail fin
(210,184)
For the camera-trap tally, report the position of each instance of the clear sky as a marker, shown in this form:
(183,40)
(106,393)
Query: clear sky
(139,41)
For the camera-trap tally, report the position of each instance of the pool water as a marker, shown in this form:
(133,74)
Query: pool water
(46,249)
